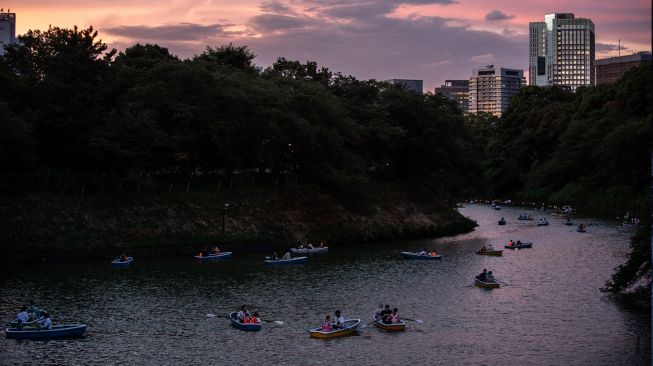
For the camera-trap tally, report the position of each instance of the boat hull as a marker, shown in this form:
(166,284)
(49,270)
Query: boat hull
(485,284)
(212,257)
(119,264)
(413,255)
(57,331)
(398,327)
(308,250)
(351,326)
(496,253)
(246,327)
(297,260)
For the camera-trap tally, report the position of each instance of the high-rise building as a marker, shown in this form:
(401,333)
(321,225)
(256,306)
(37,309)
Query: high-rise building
(7,29)
(609,70)
(414,85)
(458,91)
(561,51)
(490,89)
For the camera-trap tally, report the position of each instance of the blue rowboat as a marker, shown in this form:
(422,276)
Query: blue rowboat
(223,255)
(242,326)
(349,327)
(57,331)
(122,264)
(296,260)
(519,246)
(415,255)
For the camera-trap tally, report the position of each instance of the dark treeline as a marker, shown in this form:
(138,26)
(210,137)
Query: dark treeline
(72,107)
(590,149)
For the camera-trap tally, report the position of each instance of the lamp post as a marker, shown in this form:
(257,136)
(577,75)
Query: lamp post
(224,212)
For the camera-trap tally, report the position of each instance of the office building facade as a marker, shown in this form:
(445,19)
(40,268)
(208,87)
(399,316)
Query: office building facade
(609,70)
(458,91)
(414,85)
(490,89)
(561,51)
(7,29)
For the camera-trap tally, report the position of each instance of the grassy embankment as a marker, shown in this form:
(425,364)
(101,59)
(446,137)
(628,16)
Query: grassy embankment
(53,227)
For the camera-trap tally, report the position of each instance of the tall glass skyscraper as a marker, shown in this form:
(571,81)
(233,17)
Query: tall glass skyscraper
(561,51)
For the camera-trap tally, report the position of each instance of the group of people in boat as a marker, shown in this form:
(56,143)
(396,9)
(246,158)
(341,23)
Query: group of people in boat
(32,315)
(245,317)
(486,276)
(525,217)
(387,316)
(512,243)
(488,248)
(122,257)
(542,221)
(431,253)
(309,245)
(329,326)
(206,252)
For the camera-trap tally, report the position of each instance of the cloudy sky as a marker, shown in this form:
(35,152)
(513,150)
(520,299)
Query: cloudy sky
(431,40)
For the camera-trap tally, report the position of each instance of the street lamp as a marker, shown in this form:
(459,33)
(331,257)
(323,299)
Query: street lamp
(224,212)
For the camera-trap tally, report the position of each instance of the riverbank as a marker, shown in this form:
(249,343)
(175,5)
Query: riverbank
(48,227)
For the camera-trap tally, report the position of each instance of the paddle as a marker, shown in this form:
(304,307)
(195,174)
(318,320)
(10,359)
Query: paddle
(418,321)
(273,321)
(502,282)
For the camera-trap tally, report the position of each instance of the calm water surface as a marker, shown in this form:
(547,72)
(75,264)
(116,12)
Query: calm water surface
(155,313)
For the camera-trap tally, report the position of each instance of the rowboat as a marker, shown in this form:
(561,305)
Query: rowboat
(223,255)
(569,223)
(415,255)
(122,264)
(543,223)
(309,250)
(580,230)
(296,260)
(525,218)
(631,226)
(492,252)
(486,284)
(57,331)
(242,326)
(393,327)
(349,328)
(502,222)
(519,246)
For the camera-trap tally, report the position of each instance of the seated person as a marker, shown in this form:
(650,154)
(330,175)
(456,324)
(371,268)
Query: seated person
(395,317)
(242,314)
(286,256)
(483,275)
(309,246)
(433,253)
(275,256)
(216,250)
(386,315)
(340,321)
(22,317)
(490,248)
(489,277)
(46,323)
(255,319)
(326,326)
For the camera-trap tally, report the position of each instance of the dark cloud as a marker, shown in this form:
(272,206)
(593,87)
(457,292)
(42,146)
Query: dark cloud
(274,7)
(365,9)
(172,32)
(496,15)
(275,22)
(607,47)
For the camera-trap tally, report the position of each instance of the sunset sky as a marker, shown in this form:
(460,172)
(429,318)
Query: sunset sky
(431,40)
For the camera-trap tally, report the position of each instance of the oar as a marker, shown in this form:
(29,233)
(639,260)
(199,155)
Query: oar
(373,321)
(273,321)
(507,284)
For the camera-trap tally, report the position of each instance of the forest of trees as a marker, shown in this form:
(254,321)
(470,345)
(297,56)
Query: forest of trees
(143,115)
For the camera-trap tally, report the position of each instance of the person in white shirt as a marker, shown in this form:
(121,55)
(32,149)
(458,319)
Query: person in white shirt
(22,317)
(340,320)
(242,314)
(286,256)
(490,248)
(45,323)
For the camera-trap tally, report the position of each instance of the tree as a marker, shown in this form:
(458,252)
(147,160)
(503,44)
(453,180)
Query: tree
(239,57)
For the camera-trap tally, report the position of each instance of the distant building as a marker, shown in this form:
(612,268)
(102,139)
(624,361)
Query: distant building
(561,51)
(7,29)
(609,70)
(458,91)
(490,89)
(414,85)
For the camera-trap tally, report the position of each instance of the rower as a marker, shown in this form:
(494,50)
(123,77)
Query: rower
(340,320)
(22,317)
(489,277)
(386,314)
(45,323)
(379,310)
(483,275)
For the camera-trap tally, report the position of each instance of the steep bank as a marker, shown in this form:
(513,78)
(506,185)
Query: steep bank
(50,227)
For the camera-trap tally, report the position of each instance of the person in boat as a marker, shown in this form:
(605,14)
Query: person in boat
(483,249)
(33,311)
(423,252)
(300,245)
(326,326)
(511,243)
(386,315)
(340,321)
(216,250)
(518,242)
(433,253)
(483,275)
(490,248)
(255,319)
(123,257)
(395,317)
(321,244)
(489,277)
(46,323)
(286,256)
(379,310)
(275,256)
(22,317)
(242,314)
(309,246)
